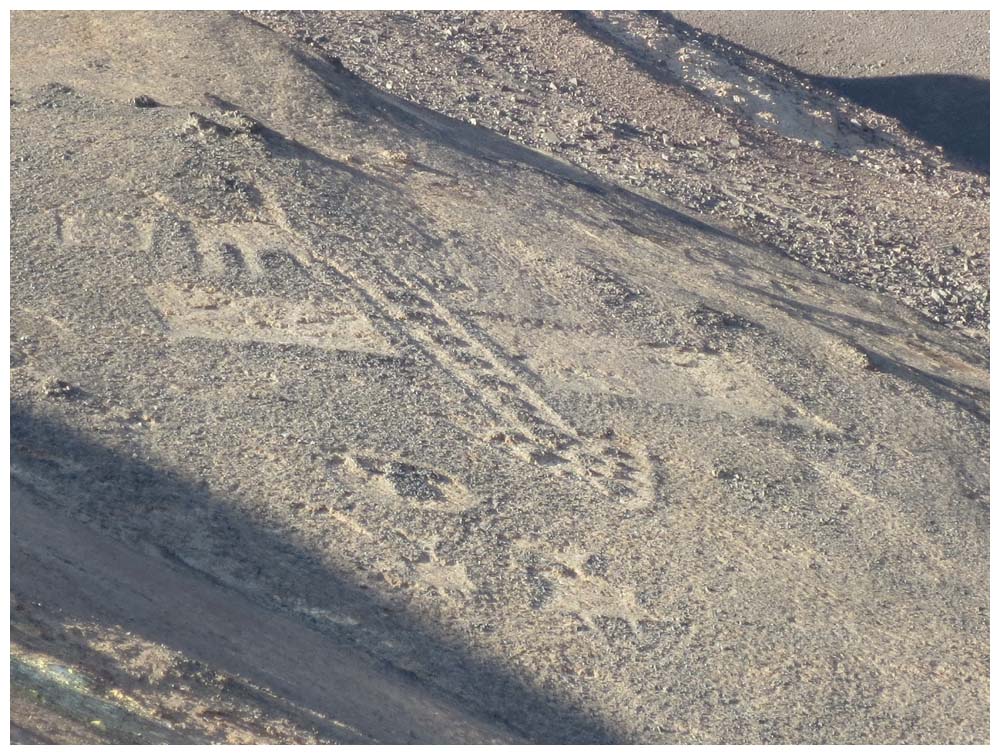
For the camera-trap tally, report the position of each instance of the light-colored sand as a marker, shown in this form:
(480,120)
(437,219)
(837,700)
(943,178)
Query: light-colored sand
(859,43)
(928,69)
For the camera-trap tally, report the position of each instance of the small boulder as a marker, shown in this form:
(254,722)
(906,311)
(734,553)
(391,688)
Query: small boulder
(143,101)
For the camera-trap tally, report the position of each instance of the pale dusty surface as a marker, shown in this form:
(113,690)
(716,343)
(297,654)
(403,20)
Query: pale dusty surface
(928,69)
(859,43)
(337,419)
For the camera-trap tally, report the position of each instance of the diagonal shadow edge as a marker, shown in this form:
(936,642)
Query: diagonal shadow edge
(475,700)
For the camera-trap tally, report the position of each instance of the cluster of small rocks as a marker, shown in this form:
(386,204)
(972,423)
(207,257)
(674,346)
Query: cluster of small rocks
(893,217)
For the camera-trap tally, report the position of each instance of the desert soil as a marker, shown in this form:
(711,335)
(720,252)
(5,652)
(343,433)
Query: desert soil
(699,123)
(486,378)
(928,69)
(859,43)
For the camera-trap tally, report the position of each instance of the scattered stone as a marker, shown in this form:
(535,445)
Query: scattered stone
(397,156)
(243,123)
(205,127)
(548,137)
(144,101)
(452,62)
(56,388)
(336,62)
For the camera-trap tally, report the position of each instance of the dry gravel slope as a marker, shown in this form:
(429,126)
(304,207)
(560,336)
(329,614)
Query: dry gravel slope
(304,371)
(717,130)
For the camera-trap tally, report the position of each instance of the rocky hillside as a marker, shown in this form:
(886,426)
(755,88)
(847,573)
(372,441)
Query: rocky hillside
(650,103)
(362,395)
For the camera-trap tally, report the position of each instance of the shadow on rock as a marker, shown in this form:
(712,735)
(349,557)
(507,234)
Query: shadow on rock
(952,112)
(947,110)
(106,539)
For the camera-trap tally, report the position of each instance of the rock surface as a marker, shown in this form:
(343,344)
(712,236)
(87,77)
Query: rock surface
(701,124)
(336,418)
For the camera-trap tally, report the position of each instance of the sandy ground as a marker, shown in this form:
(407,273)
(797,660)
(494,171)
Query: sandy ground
(929,69)
(335,418)
(859,43)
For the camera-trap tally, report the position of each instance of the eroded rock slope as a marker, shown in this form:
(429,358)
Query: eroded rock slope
(400,430)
